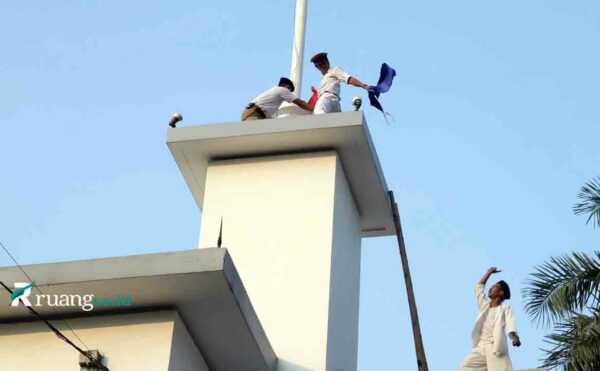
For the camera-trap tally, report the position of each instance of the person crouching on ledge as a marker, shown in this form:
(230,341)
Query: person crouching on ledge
(266,104)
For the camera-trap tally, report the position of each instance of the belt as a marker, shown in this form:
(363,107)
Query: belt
(256,108)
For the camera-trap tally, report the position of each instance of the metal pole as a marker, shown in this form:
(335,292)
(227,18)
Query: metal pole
(298,49)
(412,304)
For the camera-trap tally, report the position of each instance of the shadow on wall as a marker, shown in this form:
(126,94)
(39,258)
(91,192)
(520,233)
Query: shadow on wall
(283,365)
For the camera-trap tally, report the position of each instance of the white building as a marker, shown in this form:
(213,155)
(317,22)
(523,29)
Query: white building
(296,196)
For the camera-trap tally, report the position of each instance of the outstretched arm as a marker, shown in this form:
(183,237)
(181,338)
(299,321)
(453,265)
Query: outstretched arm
(303,104)
(487,275)
(356,82)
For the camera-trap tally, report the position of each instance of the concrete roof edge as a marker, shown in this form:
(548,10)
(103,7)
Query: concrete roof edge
(178,262)
(268,126)
(235,284)
(376,162)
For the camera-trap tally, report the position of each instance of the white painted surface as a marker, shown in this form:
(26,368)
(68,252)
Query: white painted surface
(142,341)
(290,110)
(284,219)
(346,133)
(298,48)
(342,347)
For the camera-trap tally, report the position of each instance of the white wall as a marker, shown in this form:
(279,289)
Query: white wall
(284,219)
(141,341)
(342,347)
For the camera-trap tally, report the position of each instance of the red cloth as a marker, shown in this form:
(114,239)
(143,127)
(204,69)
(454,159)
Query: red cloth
(313,100)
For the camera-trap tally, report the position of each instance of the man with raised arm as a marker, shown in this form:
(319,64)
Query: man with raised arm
(490,348)
(329,90)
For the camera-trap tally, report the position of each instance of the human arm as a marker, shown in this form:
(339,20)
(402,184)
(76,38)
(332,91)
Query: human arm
(479,293)
(342,75)
(356,82)
(303,104)
(289,97)
(487,275)
(511,327)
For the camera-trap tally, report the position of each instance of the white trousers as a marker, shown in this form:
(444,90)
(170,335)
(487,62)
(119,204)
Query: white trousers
(482,358)
(327,103)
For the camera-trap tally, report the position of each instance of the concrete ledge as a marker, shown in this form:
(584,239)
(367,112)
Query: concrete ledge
(346,133)
(202,285)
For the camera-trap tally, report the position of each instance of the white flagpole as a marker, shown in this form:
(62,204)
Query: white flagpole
(298,50)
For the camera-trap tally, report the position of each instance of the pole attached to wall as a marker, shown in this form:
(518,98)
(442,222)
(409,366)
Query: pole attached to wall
(298,49)
(412,304)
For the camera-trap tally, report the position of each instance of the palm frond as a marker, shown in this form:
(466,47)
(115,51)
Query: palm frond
(562,286)
(590,201)
(575,344)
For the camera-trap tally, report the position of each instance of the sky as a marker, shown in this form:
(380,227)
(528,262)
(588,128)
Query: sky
(496,127)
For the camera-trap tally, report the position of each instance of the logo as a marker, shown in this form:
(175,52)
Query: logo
(21,294)
(86,302)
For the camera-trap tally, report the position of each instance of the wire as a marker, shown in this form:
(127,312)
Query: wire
(41,292)
(96,363)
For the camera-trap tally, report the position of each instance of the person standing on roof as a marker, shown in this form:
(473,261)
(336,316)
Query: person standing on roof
(329,91)
(266,104)
(490,348)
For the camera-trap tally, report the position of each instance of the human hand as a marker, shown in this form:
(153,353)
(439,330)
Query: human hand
(487,275)
(516,342)
(492,270)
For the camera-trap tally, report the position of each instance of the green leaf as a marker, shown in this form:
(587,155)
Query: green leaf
(590,201)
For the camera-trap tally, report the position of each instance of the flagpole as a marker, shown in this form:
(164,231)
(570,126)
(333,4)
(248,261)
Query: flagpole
(298,48)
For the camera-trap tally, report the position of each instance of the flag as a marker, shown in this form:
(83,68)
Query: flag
(386,76)
(315,96)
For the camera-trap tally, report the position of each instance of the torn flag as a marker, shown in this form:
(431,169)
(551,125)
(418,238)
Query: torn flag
(386,76)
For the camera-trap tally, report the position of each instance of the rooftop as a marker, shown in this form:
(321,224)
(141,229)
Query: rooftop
(194,147)
(201,284)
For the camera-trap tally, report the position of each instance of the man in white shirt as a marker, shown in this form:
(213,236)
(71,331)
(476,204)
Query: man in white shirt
(490,349)
(266,104)
(329,90)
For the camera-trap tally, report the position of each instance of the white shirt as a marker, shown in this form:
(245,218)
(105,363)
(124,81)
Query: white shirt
(331,81)
(487,330)
(505,322)
(270,100)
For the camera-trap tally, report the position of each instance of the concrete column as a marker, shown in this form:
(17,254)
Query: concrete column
(293,230)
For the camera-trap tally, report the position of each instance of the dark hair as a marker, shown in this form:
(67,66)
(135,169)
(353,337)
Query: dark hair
(505,288)
(285,81)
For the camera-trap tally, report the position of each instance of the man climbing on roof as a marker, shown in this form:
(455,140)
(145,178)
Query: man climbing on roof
(266,104)
(329,91)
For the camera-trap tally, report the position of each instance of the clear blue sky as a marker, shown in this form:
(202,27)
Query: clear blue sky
(496,128)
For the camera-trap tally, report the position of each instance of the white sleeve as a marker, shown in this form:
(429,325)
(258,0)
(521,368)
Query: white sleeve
(340,74)
(287,95)
(509,318)
(480,295)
